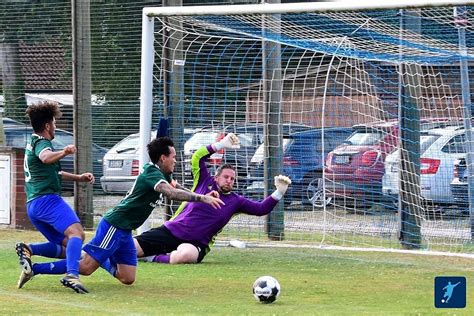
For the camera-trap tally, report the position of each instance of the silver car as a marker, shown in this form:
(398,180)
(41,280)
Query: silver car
(439,149)
(121,163)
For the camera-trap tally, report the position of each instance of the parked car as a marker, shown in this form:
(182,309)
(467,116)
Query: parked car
(439,149)
(303,160)
(203,137)
(7,122)
(121,164)
(19,136)
(354,170)
(250,136)
(459,185)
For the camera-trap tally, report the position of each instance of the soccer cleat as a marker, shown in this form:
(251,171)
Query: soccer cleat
(73,282)
(24,277)
(24,257)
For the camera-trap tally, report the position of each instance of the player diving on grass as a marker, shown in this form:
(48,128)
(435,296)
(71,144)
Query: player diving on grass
(112,247)
(47,211)
(186,238)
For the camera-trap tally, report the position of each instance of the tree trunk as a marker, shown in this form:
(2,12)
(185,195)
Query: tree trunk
(12,77)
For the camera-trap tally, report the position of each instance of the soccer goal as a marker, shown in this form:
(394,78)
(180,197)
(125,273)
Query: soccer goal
(366,107)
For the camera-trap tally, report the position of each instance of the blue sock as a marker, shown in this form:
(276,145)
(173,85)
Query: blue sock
(47,249)
(57,267)
(73,255)
(109,266)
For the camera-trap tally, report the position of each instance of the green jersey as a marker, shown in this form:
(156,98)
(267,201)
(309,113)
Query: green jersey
(140,200)
(40,178)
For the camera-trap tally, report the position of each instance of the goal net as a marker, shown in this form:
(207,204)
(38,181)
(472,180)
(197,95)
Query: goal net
(366,110)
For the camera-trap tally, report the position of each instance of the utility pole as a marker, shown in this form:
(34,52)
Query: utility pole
(82,117)
(410,202)
(272,90)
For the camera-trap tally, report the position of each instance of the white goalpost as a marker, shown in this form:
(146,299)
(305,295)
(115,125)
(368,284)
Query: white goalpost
(366,106)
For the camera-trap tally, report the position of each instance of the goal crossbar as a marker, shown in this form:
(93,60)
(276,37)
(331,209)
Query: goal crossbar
(281,8)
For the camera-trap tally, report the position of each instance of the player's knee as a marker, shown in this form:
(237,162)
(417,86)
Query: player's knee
(82,235)
(127,280)
(75,230)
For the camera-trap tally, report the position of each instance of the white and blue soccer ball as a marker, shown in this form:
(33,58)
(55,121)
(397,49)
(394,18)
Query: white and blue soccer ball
(266,289)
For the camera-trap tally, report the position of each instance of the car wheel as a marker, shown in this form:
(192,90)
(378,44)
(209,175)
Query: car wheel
(315,193)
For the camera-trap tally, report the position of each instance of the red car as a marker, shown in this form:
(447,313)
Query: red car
(354,170)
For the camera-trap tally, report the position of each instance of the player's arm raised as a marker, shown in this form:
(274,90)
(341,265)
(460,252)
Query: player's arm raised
(84,177)
(181,195)
(49,156)
(230,141)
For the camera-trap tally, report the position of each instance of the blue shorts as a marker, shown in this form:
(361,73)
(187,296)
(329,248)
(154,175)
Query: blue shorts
(112,243)
(51,215)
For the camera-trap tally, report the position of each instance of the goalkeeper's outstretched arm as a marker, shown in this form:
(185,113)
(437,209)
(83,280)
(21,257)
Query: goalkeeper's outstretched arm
(281,185)
(266,206)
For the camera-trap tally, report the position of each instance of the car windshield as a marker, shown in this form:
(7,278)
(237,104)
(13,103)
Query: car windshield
(258,156)
(127,144)
(426,141)
(200,139)
(456,145)
(246,139)
(369,137)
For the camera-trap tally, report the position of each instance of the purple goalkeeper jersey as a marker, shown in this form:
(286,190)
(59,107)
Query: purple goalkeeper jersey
(200,222)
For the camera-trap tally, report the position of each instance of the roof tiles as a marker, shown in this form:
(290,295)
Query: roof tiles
(44,67)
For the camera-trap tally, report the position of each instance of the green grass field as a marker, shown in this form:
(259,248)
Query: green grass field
(312,281)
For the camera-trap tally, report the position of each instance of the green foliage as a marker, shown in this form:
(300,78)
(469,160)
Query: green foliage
(116,47)
(313,282)
(35,21)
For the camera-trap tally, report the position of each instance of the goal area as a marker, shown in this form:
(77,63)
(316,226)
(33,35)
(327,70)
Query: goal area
(367,108)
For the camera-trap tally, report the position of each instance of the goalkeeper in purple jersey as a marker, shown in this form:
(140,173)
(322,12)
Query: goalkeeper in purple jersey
(187,236)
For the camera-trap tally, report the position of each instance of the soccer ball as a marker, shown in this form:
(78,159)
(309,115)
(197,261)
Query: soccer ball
(266,289)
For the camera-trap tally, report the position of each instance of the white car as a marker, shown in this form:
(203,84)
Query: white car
(439,148)
(121,163)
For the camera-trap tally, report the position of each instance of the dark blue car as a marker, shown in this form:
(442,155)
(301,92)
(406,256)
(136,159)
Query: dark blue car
(303,160)
(251,137)
(19,136)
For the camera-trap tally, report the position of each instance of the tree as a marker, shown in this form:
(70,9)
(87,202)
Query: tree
(24,21)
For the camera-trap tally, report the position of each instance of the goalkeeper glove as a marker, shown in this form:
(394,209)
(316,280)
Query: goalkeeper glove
(229,141)
(281,184)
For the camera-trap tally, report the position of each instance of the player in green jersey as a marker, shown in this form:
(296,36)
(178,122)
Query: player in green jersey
(48,212)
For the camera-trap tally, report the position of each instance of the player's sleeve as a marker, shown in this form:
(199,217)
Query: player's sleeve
(198,164)
(154,177)
(258,208)
(42,145)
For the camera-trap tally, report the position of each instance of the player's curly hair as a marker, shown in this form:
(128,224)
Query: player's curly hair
(41,113)
(159,146)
